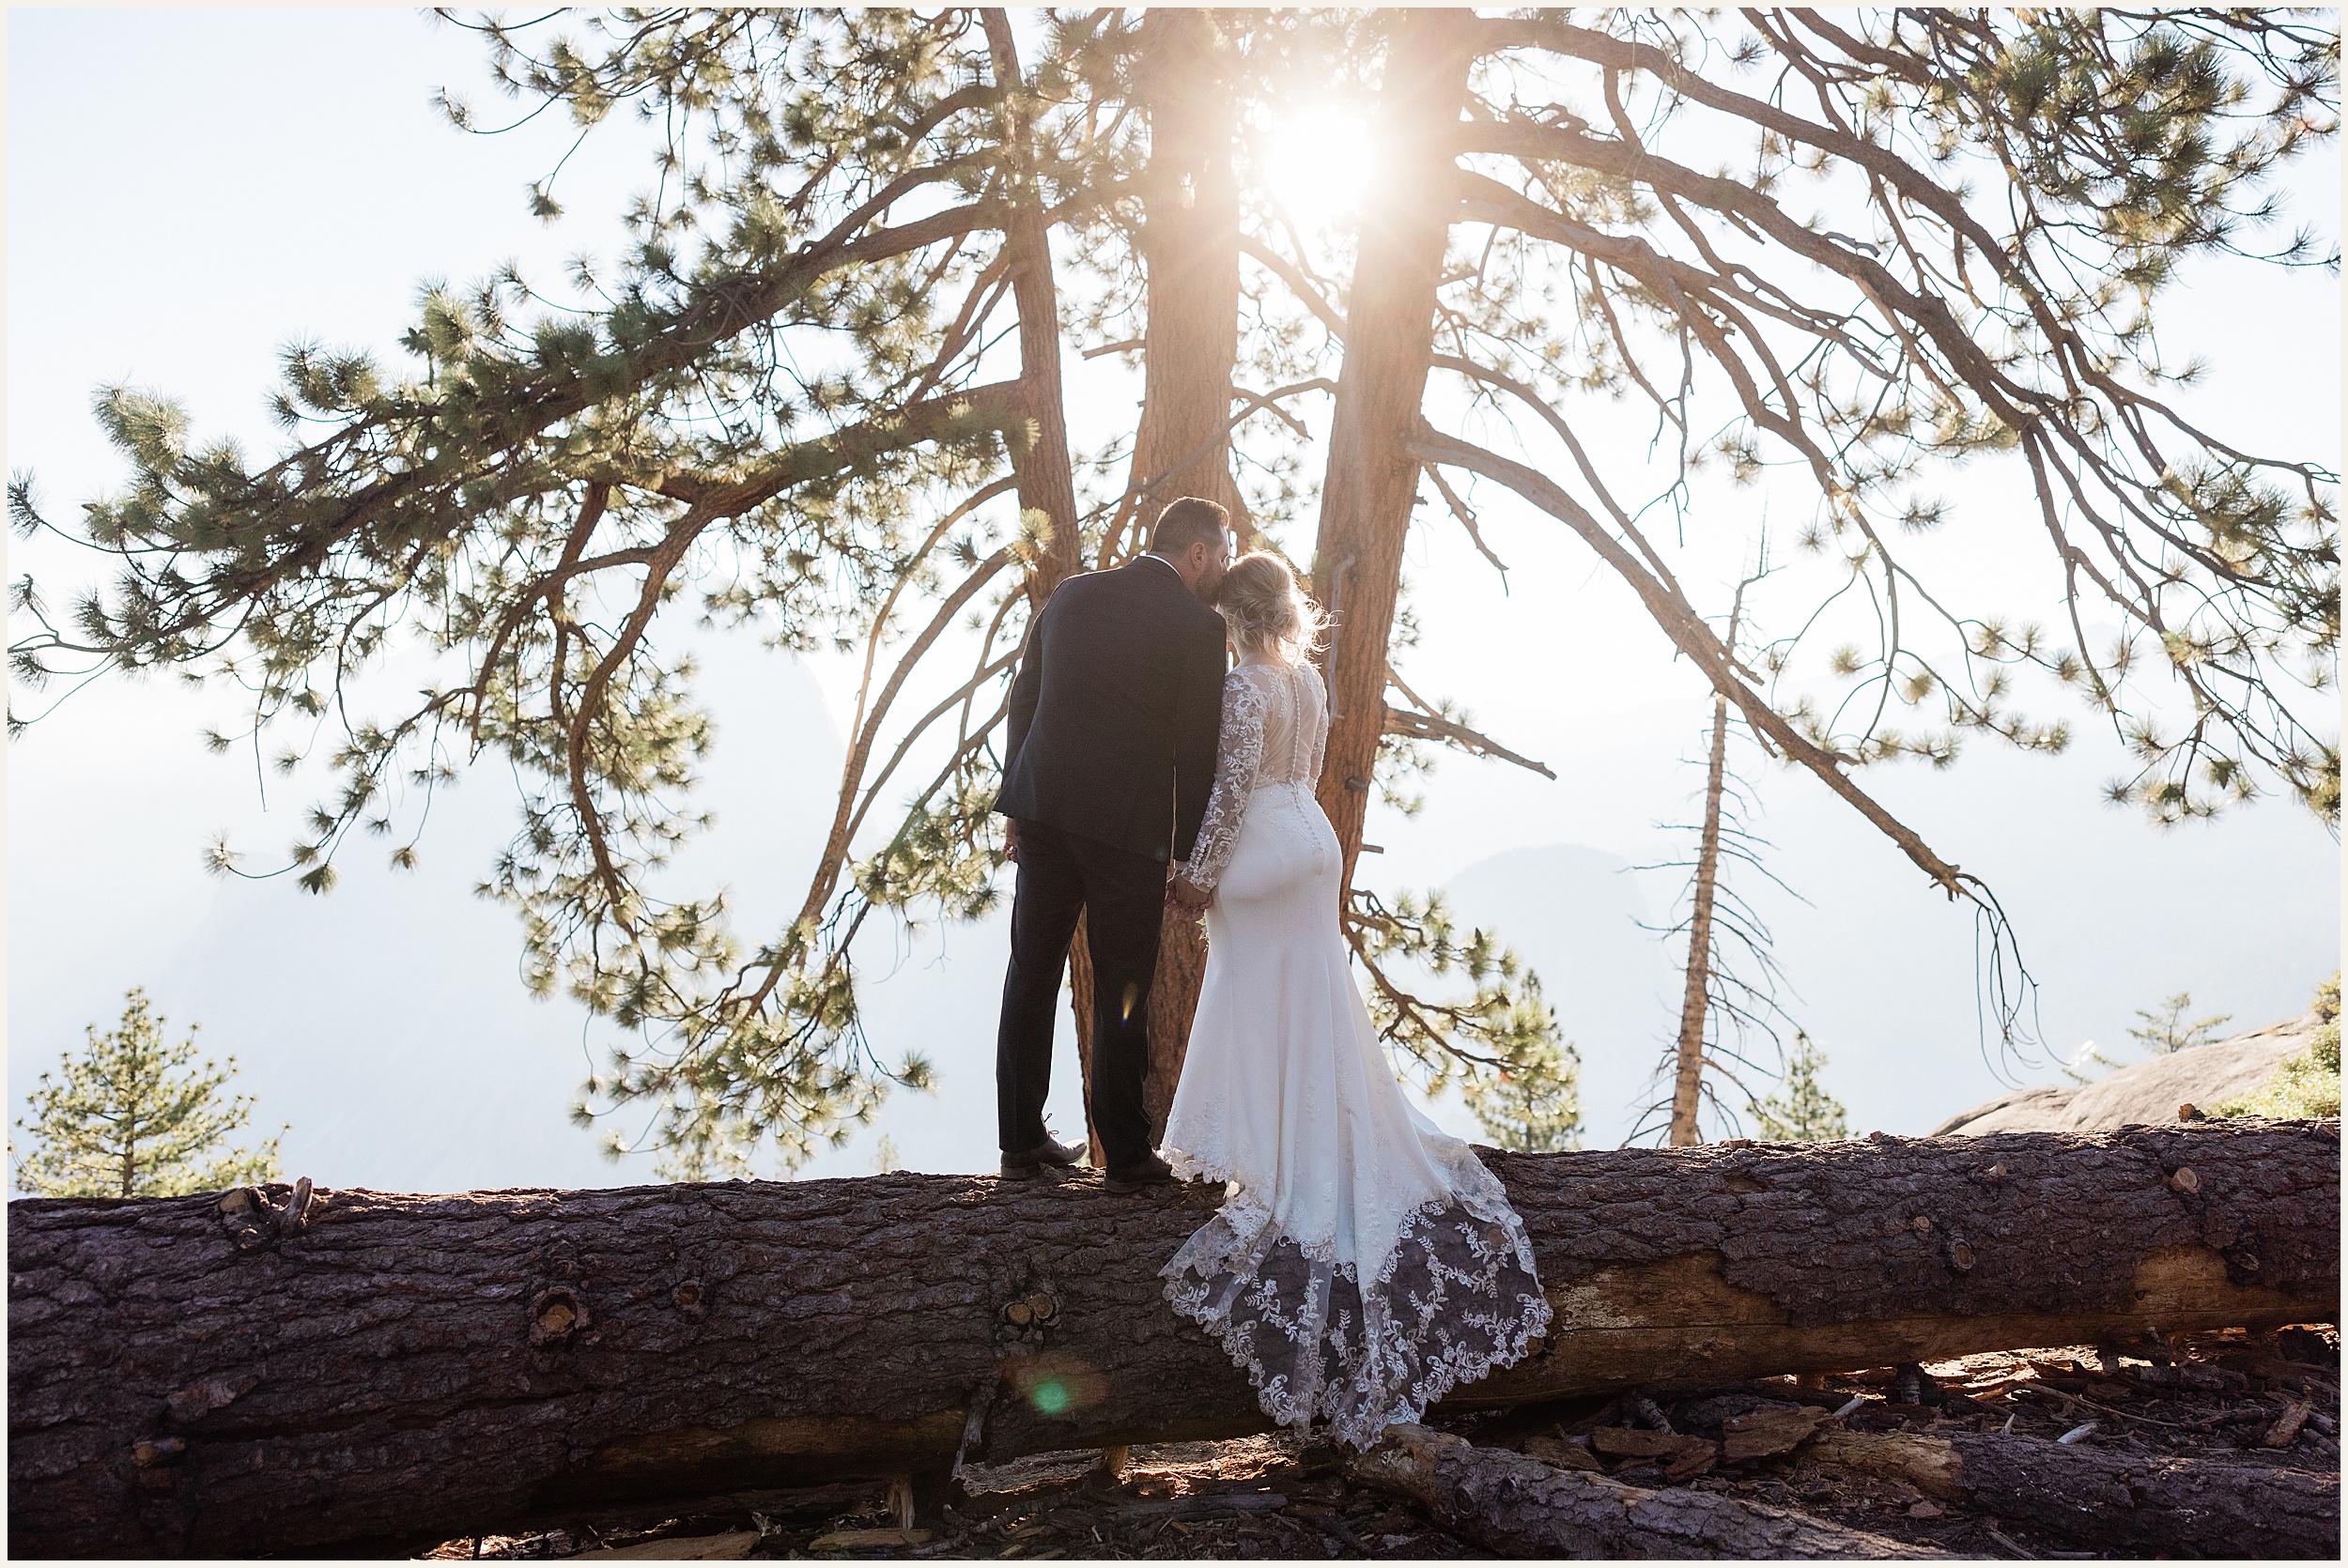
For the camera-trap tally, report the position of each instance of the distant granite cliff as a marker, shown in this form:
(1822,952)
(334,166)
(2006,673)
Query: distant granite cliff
(2145,1092)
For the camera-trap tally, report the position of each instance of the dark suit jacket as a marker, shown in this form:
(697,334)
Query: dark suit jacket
(1117,710)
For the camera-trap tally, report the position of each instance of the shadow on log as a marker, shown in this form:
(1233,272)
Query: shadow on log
(363,1371)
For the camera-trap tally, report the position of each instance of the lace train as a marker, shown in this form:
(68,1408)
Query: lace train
(1454,1299)
(1364,1261)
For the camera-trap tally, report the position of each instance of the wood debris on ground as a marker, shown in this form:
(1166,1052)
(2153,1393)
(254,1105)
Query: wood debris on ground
(2256,1402)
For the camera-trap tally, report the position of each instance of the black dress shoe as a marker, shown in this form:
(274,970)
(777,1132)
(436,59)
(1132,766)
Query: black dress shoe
(1026,1164)
(1153,1172)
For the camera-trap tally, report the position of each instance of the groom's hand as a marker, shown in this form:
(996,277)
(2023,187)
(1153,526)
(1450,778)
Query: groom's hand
(1010,841)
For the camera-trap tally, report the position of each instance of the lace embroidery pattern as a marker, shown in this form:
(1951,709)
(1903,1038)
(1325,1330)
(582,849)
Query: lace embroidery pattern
(1456,1298)
(1239,754)
(1268,709)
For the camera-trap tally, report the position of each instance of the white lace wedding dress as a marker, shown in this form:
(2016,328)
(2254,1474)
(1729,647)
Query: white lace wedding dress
(1363,1261)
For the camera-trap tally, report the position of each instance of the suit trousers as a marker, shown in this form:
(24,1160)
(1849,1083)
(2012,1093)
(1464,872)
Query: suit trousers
(1122,898)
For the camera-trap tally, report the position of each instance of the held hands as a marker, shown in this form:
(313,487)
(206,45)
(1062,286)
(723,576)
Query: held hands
(1184,898)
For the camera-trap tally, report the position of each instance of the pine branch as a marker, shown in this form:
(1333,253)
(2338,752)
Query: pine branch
(1420,726)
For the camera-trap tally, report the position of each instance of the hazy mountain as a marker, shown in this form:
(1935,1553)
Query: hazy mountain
(2111,915)
(1573,913)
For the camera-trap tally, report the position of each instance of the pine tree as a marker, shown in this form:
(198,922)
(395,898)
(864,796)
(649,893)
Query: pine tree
(1799,1110)
(821,400)
(1721,830)
(132,1117)
(1729,992)
(1535,1112)
(2164,1030)
(2308,1082)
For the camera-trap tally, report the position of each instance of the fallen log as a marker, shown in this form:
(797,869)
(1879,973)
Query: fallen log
(291,1370)
(2112,1502)
(1519,1507)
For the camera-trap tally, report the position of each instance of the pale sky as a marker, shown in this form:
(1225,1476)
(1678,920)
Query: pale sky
(190,189)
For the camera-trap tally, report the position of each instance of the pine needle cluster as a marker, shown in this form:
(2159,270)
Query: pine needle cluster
(1500,1044)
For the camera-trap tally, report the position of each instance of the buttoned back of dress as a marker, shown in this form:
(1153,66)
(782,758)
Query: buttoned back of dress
(1275,724)
(1296,721)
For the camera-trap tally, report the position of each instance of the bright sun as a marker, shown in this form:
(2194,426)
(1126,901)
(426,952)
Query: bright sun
(1319,164)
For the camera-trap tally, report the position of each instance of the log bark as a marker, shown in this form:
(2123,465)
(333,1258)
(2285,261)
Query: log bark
(2104,1500)
(386,1369)
(1522,1508)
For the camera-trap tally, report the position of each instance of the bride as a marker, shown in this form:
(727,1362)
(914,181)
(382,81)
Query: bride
(1363,1261)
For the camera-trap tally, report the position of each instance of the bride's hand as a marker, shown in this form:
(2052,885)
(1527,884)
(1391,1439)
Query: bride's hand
(1185,899)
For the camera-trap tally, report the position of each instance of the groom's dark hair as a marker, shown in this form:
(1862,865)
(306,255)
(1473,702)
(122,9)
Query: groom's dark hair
(1191,520)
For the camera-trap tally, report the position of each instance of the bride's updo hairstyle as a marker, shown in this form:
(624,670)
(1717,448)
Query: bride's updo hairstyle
(1268,613)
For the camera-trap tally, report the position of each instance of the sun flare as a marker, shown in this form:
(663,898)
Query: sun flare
(1321,163)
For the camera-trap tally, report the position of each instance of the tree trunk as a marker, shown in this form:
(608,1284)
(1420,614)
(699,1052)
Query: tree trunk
(1687,1075)
(377,1370)
(1519,1507)
(1190,243)
(1372,482)
(1047,476)
(2107,1501)
(1046,479)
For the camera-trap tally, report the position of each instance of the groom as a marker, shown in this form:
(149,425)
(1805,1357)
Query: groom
(1114,721)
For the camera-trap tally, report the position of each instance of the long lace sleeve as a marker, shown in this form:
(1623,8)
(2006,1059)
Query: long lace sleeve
(1238,756)
(1319,719)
